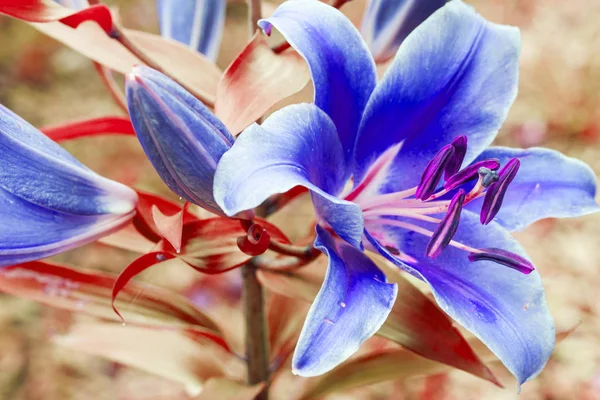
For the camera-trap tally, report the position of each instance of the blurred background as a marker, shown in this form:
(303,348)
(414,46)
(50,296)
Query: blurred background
(558,107)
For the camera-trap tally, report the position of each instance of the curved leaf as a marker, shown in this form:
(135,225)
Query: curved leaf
(49,11)
(257,80)
(89,127)
(190,67)
(162,353)
(89,292)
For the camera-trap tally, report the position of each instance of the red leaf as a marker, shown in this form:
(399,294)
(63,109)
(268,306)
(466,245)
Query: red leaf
(49,11)
(89,292)
(163,353)
(255,242)
(170,227)
(89,127)
(226,389)
(189,66)
(145,221)
(257,80)
(210,245)
(138,266)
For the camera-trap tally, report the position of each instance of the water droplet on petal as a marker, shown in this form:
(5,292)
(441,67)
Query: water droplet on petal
(161,257)
(328,321)
(342,304)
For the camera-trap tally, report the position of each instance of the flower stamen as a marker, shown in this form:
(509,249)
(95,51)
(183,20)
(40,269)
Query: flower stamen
(447,227)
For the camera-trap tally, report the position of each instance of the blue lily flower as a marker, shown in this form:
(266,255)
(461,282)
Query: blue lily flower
(49,201)
(387,23)
(181,137)
(433,116)
(197,24)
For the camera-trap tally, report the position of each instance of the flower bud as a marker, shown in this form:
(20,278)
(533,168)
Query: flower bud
(182,138)
(49,201)
(388,22)
(197,24)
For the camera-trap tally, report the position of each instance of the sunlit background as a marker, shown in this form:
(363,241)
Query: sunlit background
(558,107)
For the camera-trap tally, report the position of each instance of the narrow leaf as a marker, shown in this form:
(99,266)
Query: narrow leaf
(227,389)
(163,353)
(89,127)
(210,245)
(49,11)
(188,66)
(89,292)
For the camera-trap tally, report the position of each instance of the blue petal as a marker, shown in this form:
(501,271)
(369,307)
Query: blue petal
(455,74)
(388,22)
(548,184)
(342,70)
(38,170)
(181,137)
(195,23)
(351,306)
(296,146)
(30,232)
(504,308)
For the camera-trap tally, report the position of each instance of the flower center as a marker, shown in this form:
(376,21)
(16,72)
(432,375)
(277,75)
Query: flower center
(430,203)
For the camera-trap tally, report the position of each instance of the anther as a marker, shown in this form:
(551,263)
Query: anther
(433,172)
(495,193)
(471,172)
(447,227)
(460,150)
(505,258)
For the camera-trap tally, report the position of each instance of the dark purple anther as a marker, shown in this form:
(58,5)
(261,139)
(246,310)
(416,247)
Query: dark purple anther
(469,173)
(460,150)
(503,257)
(433,172)
(495,193)
(447,227)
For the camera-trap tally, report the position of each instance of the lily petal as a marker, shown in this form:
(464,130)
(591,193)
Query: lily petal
(342,70)
(504,308)
(388,22)
(295,146)
(548,185)
(181,137)
(196,23)
(455,74)
(41,172)
(351,306)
